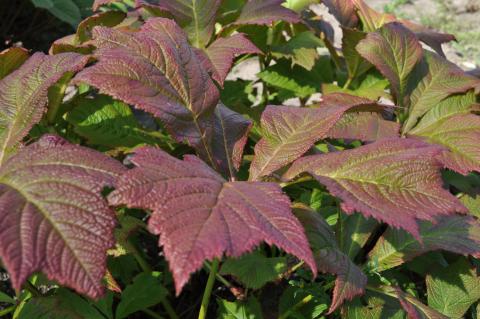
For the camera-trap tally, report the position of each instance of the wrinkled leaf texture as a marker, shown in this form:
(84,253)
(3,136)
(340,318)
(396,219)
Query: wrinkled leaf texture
(393,180)
(200,216)
(52,215)
(265,12)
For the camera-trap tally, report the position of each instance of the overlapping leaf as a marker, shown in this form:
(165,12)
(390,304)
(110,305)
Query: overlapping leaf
(264,12)
(24,94)
(395,51)
(290,131)
(200,216)
(437,79)
(343,11)
(393,180)
(156,70)
(458,234)
(230,136)
(354,231)
(53,217)
(11,59)
(98,3)
(222,52)
(351,281)
(356,64)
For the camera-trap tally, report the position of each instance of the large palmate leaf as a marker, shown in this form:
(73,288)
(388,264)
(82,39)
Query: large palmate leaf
(52,215)
(196,17)
(230,136)
(265,12)
(290,131)
(393,180)
(458,234)
(436,79)
(460,134)
(452,290)
(394,50)
(350,281)
(201,216)
(156,70)
(24,94)
(222,52)
(11,59)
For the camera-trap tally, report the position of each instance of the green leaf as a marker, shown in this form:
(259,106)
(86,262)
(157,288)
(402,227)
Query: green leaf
(394,50)
(251,309)
(303,301)
(11,59)
(65,10)
(372,87)
(356,64)
(301,49)
(255,270)
(472,204)
(145,291)
(353,232)
(452,290)
(6,298)
(63,305)
(374,306)
(107,122)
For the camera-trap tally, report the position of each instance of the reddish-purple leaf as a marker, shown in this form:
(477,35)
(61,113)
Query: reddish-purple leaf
(437,79)
(156,70)
(53,217)
(105,19)
(458,234)
(461,135)
(430,37)
(394,51)
(397,181)
(265,12)
(351,281)
(291,131)
(23,95)
(230,136)
(343,11)
(11,59)
(370,18)
(364,126)
(222,52)
(196,17)
(201,216)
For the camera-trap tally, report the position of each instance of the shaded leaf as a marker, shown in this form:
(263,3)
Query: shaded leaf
(167,80)
(24,94)
(353,233)
(105,19)
(222,52)
(301,49)
(303,300)
(11,59)
(343,11)
(438,79)
(289,132)
(250,309)
(200,216)
(255,270)
(53,189)
(65,10)
(350,280)
(458,234)
(230,136)
(393,180)
(394,51)
(145,291)
(373,306)
(452,290)
(104,121)
(356,64)
(265,12)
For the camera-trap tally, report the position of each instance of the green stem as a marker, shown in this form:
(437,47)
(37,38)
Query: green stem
(208,290)
(152,314)
(297,306)
(219,277)
(32,289)
(7,310)
(347,84)
(131,248)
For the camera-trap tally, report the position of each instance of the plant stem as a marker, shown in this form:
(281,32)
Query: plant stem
(208,290)
(7,310)
(219,277)
(152,314)
(347,84)
(298,305)
(169,309)
(32,289)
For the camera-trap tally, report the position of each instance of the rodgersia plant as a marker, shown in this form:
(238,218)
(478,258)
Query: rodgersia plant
(376,183)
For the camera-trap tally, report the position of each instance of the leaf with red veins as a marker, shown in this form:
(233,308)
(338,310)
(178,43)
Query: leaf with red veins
(11,59)
(24,95)
(364,126)
(343,11)
(222,52)
(53,217)
(289,132)
(394,51)
(230,136)
(351,281)
(396,181)
(265,12)
(437,80)
(156,70)
(201,216)
(460,134)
